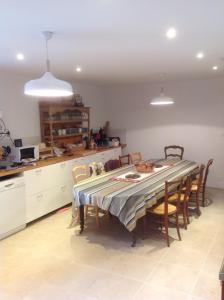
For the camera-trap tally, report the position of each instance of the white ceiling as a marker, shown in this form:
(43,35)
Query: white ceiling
(113,40)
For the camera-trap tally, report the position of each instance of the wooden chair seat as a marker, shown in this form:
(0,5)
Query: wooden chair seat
(194,188)
(160,209)
(195,181)
(174,198)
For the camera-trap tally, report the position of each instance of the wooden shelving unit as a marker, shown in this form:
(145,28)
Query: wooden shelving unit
(63,123)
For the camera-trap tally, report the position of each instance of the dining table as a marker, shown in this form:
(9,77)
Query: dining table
(125,196)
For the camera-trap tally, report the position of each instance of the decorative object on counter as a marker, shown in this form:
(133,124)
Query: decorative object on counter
(58,151)
(144,167)
(48,85)
(1,153)
(77,100)
(86,142)
(45,152)
(18,142)
(114,141)
(4,131)
(99,137)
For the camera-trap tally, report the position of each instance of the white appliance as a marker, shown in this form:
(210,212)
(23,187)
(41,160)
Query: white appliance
(25,153)
(12,205)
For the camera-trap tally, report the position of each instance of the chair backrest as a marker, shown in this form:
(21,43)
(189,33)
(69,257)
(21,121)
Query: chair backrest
(199,174)
(172,187)
(112,164)
(210,162)
(124,160)
(188,184)
(174,148)
(80,173)
(135,157)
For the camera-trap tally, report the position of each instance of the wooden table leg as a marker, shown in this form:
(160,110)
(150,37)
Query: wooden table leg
(81,216)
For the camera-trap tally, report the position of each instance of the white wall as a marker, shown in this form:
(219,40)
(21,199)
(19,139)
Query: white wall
(21,113)
(196,121)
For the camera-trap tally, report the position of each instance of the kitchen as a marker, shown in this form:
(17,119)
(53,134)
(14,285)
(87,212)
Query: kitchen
(116,59)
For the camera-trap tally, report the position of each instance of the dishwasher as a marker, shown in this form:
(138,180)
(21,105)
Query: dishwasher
(12,205)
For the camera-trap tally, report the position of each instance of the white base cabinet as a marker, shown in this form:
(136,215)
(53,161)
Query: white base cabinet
(49,188)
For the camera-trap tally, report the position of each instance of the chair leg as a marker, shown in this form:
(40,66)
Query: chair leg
(197,204)
(86,211)
(177,225)
(97,216)
(184,215)
(187,213)
(167,232)
(203,197)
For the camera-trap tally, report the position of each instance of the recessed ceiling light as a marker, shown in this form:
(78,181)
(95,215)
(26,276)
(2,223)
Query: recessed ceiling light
(200,55)
(171,33)
(78,69)
(20,56)
(215,68)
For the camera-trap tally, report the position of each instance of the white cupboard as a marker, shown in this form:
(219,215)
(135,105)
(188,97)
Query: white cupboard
(49,188)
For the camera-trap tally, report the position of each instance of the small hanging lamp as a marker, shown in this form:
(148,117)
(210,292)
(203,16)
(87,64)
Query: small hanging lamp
(162,99)
(48,85)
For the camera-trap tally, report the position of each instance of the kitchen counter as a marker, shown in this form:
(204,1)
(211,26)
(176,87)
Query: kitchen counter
(49,161)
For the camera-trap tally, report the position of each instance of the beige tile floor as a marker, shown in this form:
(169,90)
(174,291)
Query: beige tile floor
(48,260)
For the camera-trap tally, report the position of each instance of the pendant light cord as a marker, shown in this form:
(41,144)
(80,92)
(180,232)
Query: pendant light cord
(47,56)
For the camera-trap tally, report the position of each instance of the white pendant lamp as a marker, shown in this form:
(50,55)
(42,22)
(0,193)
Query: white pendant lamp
(162,99)
(48,85)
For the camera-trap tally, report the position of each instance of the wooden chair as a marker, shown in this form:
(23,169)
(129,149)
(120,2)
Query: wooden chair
(196,187)
(111,165)
(135,157)
(124,160)
(163,211)
(81,173)
(184,198)
(204,181)
(179,149)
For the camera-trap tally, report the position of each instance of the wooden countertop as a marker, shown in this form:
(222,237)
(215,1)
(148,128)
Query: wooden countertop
(47,162)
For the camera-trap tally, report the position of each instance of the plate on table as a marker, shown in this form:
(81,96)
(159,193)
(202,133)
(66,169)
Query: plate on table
(158,166)
(132,176)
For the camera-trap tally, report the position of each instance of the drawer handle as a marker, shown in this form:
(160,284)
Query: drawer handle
(38,171)
(9,184)
(39,196)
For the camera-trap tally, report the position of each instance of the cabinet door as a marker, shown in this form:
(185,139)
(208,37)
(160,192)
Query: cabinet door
(35,206)
(57,197)
(36,180)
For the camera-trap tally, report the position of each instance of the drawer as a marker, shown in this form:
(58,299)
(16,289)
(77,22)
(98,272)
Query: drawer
(37,180)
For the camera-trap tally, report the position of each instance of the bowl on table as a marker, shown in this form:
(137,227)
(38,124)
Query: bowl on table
(144,167)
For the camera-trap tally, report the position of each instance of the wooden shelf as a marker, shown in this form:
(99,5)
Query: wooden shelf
(60,115)
(65,121)
(65,136)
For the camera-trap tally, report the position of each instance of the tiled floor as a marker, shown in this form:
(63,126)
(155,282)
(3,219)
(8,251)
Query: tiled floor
(50,261)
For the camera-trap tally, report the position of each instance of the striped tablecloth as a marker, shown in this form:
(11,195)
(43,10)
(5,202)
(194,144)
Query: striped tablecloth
(128,200)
